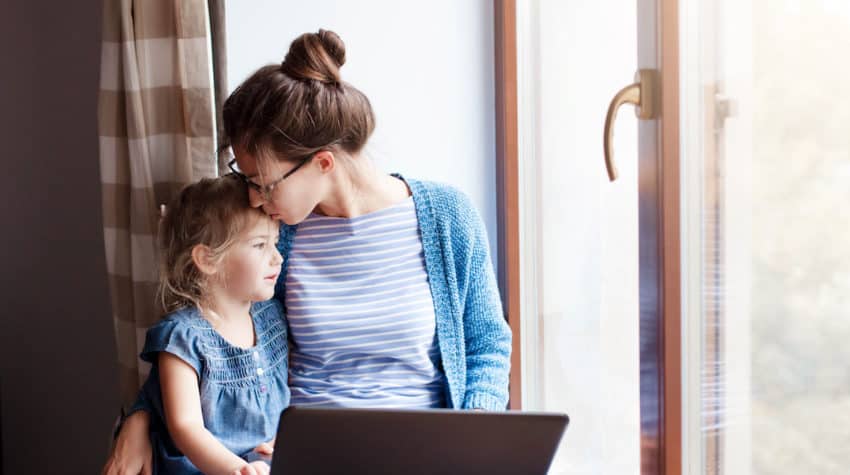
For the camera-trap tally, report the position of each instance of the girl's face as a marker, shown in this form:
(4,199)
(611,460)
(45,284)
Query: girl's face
(292,199)
(250,267)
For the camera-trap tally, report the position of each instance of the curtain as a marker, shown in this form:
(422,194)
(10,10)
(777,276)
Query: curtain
(157,133)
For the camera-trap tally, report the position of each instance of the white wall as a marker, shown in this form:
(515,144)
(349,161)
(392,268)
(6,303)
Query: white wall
(427,68)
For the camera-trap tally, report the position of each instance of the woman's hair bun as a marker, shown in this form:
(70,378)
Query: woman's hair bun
(315,56)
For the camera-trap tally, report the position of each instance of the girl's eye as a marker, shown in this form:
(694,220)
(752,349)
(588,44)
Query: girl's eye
(260,245)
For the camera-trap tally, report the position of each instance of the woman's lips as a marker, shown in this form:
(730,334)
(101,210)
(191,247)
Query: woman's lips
(271,213)
(272,277)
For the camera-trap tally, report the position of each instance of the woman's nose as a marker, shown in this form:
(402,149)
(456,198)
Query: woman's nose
(255,198)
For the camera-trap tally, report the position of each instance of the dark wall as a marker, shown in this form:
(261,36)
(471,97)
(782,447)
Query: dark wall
(58,378)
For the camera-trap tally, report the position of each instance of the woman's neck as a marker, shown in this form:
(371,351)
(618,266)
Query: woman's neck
(359,188)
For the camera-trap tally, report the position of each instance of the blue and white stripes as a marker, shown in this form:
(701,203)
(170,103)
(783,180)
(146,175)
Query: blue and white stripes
(361,314)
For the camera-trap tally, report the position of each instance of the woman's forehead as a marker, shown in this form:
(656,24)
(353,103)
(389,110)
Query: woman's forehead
(250,164)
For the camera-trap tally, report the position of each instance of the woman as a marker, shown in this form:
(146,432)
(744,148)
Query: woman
(389,291)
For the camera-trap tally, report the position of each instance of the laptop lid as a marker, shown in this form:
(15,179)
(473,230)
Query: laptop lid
(434,441)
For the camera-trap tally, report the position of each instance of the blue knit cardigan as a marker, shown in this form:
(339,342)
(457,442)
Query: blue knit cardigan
(473,336)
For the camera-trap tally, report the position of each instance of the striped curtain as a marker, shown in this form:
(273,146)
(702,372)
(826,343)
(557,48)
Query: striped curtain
(156,127)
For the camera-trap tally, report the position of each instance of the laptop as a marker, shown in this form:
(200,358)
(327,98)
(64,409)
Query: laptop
(434,441)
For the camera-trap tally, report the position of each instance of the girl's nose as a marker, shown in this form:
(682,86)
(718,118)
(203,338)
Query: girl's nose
(277,259)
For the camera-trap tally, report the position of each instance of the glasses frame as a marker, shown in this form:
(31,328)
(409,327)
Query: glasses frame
(266,190)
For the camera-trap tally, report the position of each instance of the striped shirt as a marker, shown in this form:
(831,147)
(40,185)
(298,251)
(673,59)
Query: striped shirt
(361,315)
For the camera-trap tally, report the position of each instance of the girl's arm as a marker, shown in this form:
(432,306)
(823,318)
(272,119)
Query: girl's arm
(181,401)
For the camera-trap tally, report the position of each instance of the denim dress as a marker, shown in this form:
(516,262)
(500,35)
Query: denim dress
(243,390)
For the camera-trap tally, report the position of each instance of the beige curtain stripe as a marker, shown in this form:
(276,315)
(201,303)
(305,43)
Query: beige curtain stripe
(120,201)
(128,379)
(160,110)
(114,160)
(111,22)
(189,24)
(136,301)
(198,107)
(126,333)
(116,206)
(111,114)
(169,19)
(154,19)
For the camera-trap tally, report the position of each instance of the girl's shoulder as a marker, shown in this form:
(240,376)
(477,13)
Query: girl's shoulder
(179,333)
(186,320)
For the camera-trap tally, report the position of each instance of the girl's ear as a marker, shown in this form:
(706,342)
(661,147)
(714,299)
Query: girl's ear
(202,257)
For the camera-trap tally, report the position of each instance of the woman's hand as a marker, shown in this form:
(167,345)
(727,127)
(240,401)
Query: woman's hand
(254,468)
(266,448)
(132,452)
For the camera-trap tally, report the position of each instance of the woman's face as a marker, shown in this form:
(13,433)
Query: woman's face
(292,199)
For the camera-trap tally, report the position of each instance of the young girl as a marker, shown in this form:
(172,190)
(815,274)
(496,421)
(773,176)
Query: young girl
(218,380)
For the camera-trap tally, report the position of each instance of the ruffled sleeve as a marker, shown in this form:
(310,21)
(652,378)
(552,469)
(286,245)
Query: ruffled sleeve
(177,337)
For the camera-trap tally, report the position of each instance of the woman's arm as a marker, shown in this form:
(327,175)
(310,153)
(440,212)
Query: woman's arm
(488,347)
(132,451)
(181,401)
(487,334)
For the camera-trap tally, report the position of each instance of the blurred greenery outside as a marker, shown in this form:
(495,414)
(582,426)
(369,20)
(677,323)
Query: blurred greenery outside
(801,237)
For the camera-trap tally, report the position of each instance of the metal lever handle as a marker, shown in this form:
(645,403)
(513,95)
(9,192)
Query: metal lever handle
(641,94)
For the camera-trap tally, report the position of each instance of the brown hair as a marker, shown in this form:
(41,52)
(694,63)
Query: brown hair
(296,108)
(212,212)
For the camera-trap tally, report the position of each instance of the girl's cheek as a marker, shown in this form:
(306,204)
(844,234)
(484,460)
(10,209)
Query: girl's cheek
(243,271)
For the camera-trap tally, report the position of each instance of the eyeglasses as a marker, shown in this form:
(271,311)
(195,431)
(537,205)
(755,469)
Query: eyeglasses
(266,190)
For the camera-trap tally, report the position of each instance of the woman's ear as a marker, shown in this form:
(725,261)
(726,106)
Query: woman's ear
(202,257)
(326,161)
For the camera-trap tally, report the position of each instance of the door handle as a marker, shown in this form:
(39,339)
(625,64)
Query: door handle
(643,95)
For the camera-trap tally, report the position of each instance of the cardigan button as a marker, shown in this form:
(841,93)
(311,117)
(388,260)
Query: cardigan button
(260,371)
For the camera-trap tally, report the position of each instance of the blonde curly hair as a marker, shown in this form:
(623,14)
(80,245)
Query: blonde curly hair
(211,212)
